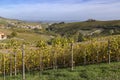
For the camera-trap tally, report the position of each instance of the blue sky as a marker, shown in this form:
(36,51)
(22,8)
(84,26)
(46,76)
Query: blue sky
(60,9)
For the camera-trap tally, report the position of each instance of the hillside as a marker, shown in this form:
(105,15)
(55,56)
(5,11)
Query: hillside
(87,28)
(28,31)
(34,30)
(6,23)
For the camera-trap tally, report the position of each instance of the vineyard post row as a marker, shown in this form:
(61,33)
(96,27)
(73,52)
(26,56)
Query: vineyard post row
(55,58)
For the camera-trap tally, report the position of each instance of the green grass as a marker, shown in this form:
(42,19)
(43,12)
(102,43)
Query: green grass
(102,71)
(27,35)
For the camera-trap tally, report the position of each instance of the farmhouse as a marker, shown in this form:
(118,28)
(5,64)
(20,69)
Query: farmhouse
(2,36)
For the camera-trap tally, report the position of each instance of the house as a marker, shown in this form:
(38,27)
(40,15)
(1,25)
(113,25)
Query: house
(2,36)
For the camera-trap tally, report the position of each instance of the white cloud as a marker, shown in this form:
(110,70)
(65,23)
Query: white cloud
(102,10)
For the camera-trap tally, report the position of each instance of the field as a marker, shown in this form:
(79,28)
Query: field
(26,34)
(103,71)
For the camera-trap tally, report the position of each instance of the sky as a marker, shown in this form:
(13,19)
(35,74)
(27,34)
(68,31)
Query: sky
(60,10)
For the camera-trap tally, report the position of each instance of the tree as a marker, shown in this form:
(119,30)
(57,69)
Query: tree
(81,37)
(111,32)
(13,34)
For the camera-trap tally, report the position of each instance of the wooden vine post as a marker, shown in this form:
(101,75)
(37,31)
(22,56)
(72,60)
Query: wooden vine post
(0,62)
(85,57)
(4,66)
(97,57)
(54,59)
(72,61)
(41,62)
(23,62)
(10,64)
(109,60)
(15,63)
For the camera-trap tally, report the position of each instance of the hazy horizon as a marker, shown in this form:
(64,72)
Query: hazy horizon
(60,10)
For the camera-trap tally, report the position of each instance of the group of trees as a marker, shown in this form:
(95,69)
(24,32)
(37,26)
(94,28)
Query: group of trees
(61,53)
(12,35)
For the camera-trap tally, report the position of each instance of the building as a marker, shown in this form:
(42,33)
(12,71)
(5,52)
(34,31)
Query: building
(2,36)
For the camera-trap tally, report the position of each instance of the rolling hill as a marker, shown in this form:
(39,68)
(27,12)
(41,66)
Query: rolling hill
(5,22)
(28,30)
(87,28)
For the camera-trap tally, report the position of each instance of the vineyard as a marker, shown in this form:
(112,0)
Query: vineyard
(18,57)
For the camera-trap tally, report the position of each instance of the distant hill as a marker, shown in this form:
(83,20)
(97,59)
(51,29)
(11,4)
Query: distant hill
(28,31)
(5,22)
(89,27)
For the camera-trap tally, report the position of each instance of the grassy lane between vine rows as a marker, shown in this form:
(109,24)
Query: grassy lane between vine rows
(101,71)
